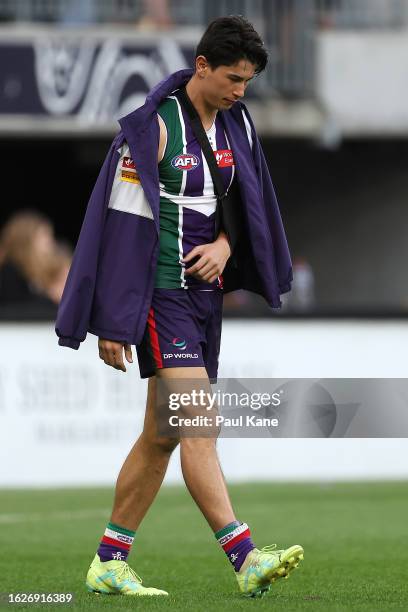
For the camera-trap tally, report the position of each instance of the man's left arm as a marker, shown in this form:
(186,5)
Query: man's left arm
(213,258)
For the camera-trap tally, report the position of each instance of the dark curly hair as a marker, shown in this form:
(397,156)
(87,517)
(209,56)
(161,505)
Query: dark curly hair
(227,40)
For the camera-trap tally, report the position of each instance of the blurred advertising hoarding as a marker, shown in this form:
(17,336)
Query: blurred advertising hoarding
(68,81)
(68,419)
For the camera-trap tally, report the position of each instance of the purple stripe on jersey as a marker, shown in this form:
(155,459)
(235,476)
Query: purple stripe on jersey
(197,229)
(222,144)
(195,178)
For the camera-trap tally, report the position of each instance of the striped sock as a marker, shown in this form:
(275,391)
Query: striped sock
(235,539)
(116,543)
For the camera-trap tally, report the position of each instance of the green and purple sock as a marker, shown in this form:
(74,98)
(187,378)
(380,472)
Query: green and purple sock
(116,543)
(235,539)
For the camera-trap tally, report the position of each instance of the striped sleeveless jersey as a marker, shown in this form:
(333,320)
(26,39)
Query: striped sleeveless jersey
(187,198)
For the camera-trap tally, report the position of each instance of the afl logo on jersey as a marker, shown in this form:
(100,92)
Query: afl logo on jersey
(187,161)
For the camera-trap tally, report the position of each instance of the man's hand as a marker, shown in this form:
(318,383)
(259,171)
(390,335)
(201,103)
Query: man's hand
(213,258)
(111,353)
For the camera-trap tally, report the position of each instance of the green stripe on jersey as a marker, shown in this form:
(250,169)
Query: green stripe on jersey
(169,272)
(171,178)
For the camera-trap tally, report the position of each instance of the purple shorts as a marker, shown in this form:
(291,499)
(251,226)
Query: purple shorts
(183,329)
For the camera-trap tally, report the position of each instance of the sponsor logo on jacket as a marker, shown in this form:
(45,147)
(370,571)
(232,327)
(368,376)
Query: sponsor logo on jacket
(128,171)
(128,163)
(186,161)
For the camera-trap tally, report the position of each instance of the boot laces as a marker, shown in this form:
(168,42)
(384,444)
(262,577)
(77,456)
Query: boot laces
(269,548)
(125,573)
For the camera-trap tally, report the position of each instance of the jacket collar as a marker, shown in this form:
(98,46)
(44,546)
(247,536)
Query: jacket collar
(138,117)
(141,132)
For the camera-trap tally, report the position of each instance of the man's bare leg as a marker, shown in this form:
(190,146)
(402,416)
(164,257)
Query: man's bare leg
(137,485)
(200,466)
(143,471)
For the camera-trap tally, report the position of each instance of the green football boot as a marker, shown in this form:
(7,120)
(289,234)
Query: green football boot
(116,578)
(262,567)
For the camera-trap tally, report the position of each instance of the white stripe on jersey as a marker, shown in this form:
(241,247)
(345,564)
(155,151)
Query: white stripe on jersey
(204,205)
(180,245)
(182,189)
(208,182)
(233,167)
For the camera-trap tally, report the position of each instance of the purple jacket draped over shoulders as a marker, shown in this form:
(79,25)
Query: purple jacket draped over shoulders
(109,288)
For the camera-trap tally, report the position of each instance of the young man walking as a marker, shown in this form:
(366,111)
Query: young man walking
(153,260)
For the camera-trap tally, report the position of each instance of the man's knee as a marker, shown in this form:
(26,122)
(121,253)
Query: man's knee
(162,444)
(192,443)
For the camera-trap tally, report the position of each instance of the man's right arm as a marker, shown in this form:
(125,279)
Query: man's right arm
(110,351)
(162,140)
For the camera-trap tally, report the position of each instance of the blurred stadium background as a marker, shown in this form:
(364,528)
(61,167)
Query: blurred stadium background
(332,114)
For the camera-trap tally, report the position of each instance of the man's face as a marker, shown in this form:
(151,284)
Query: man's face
(226,84)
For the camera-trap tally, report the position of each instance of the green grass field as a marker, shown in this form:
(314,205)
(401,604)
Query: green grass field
(354,536)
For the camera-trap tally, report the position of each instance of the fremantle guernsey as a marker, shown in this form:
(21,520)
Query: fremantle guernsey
(187,198)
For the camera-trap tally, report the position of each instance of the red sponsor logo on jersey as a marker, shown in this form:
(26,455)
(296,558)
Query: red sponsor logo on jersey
(224,158)
(128,163)
(187,161)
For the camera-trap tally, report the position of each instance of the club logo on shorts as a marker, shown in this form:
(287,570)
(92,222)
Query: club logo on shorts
(187,161)
(179,343)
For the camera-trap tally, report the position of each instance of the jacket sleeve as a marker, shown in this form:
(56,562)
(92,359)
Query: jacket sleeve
(278,235)
(75,307)
(249,128)
(281,248)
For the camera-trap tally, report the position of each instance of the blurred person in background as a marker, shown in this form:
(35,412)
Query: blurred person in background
(32,262)
(156,15)
(302,297)
(326,12)
(79,12)
(362,14)
(286,30)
